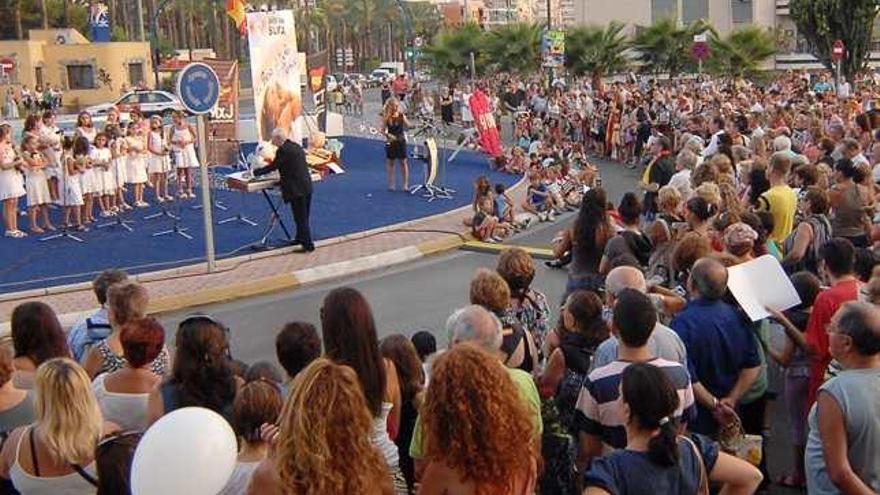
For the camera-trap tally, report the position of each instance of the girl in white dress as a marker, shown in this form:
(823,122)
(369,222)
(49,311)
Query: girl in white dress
(36,183)
(157,163)
(90,186)
(102,159)
(467,116)
(183,138)
(119,150)
(136,168)
(74,156)
(11,182)
(50,145)
(85,128)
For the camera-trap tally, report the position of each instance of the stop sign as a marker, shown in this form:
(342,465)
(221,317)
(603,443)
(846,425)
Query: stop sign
(7,65)
(838,49)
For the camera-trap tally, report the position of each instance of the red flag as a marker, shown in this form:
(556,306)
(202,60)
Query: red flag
(235,9)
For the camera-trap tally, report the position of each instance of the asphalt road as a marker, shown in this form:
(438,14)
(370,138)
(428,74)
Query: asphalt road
(420,296)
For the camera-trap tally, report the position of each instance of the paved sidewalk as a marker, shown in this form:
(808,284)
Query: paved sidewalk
(271,271)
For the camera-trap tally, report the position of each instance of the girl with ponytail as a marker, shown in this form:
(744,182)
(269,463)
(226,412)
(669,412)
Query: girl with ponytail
(657,459)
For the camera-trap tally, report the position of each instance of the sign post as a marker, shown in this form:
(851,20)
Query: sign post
(838,52)
(700,50)
(198,88)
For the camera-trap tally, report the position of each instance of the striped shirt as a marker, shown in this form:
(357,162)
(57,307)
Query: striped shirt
(600,409)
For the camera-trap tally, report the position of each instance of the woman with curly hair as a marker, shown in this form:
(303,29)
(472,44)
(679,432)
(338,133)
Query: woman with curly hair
(528,305)
(474,426)
(323,444)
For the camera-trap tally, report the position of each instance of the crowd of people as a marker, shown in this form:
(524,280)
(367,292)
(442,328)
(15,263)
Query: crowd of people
(92,171)
(647,377)
(24,100)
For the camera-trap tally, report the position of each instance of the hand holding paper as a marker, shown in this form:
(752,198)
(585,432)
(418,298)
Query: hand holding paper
(760,284)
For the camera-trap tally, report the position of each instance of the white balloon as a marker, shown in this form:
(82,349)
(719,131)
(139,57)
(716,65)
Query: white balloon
(190,451)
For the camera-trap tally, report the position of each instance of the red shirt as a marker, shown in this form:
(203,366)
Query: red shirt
(827,303)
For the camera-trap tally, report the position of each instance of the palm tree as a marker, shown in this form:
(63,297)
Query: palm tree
(664,47)
(515,47)
(44,12)
(596,50)
(742,52)
(448,54)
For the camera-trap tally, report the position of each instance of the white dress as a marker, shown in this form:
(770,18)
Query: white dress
(136,167)
(186,156)
(51,141)
(105,179)
(37,187)
(120,164)
(466,114)
(88,133)
(157,164)
(73,194)
(89,181)
(127,410)
(11,181)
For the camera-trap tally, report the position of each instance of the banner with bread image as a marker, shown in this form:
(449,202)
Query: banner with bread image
(275,70)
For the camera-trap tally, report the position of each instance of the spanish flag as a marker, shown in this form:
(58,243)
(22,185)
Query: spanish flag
(235,9)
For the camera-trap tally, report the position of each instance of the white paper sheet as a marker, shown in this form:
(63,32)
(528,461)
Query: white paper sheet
(761,283)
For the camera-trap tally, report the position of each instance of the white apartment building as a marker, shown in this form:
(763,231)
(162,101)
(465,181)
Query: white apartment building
(725,15)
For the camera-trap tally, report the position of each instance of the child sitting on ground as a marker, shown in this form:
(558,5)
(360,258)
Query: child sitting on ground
(537,198)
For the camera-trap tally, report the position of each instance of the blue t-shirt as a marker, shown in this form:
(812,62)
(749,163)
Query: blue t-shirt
(627,472)
(719,345)
(538,199)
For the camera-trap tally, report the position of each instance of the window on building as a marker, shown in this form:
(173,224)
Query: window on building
(80,77)
(38,76)
(692,10)
(741,11)
(662,9)
(136,73)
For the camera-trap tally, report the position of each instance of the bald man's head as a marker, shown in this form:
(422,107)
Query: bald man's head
(708,279)
(623,277)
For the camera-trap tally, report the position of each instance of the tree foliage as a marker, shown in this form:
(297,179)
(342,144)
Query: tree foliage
(821,22)
(515,47)
(448,54)
(597,51)
(665,47)
(742,51)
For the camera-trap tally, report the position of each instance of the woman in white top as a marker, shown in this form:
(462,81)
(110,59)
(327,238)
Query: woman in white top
(55,454)
(122,395)
(11,182)
(36,184)
(105,179)
(136,167)
(157,163)
(257,403)
(349,333)
(183,139)
(50,145)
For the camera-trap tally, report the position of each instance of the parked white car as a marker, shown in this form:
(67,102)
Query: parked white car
(148,102)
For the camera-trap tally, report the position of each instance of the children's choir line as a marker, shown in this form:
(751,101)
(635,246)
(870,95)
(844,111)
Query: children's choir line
(108,169)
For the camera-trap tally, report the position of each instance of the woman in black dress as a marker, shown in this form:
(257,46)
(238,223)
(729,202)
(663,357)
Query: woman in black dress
(394,125)
(446,107)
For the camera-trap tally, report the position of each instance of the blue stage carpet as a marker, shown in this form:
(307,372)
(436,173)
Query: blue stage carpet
(342,204)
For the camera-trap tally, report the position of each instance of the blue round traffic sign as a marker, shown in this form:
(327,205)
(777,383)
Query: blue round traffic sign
(198,88)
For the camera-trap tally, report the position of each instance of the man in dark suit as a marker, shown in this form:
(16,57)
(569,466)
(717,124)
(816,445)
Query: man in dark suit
(296,184)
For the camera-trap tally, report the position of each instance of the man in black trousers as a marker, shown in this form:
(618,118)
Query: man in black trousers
(296,185)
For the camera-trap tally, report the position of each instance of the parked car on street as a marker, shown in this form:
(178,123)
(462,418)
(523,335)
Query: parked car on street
(379,76)
(149,102)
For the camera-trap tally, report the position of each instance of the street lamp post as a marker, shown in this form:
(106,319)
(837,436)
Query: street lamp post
(407,26)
